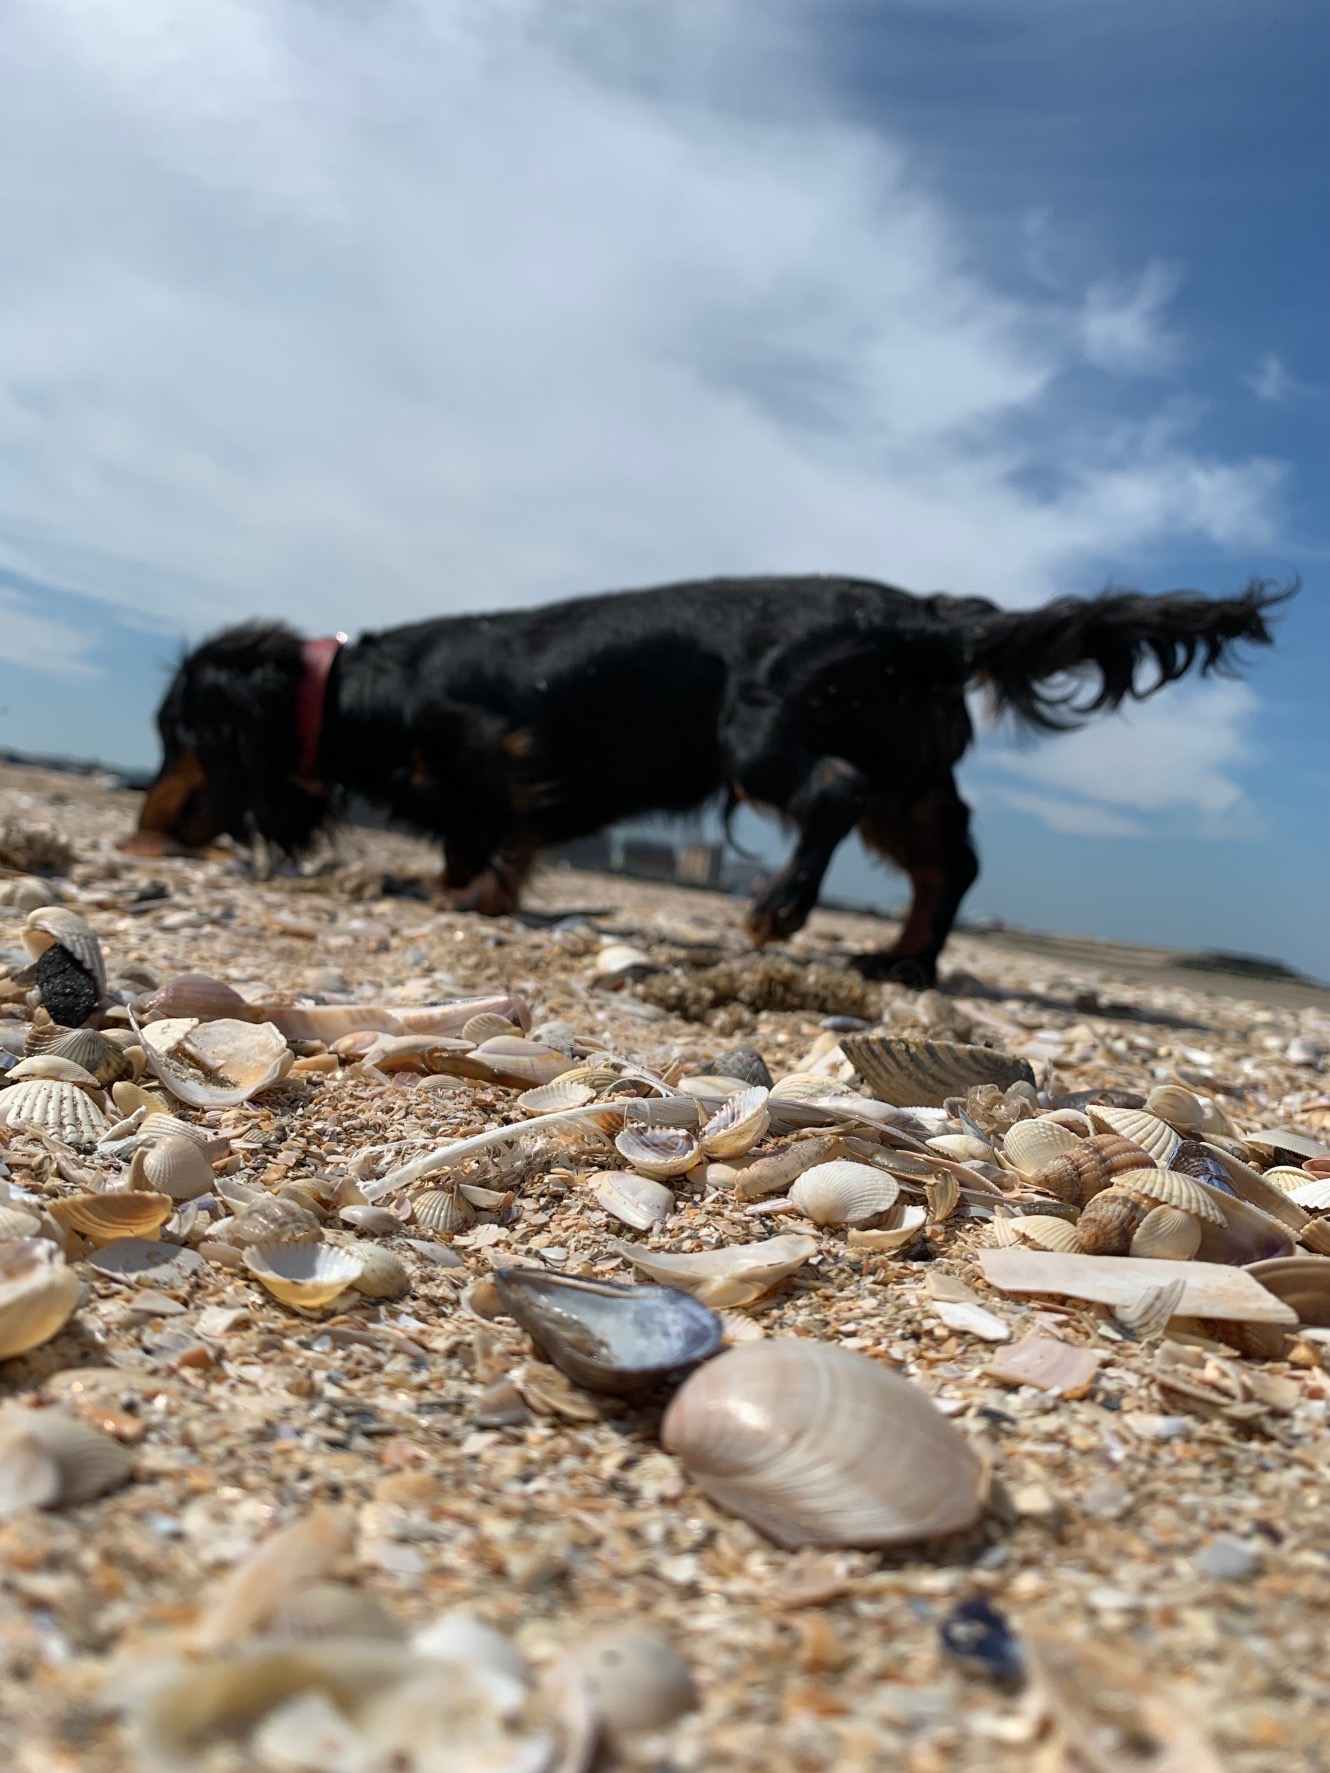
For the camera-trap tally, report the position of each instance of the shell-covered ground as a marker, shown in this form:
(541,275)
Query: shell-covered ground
(1151,1546)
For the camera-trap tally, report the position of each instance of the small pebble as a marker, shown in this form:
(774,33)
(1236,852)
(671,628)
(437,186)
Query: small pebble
(1226,1559)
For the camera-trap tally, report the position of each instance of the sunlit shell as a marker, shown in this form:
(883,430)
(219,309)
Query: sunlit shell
(658,1151)
(175,1167)
(1287,1177)
(773,1173)
(619,961)
(232,1061)
(383,1274)
(633,1679)
(633,1200)
(442,1211)
(728,1278)
(737,1125)
(816,1445)
(1030,1145)
(85,1463)
(1172,1188)
(101,1058)
(1167,1232)
(1179,1107)
(102,1218)
(61,1109)
(964,1147)
(549,1098)
(273,1220)
(56,923)
(520,1061)
(1077,1176)
(306,1276)
(17,1221)
(843,1193)
(1110,1221)
(1153,1135)
(925,1072)
(38,1293)
(197,995)
(316,1611)
(128,1097)
(1312,1193)
(800,1086)
(1045,1232)
(488,1026)
(51,1065)
(899,1228)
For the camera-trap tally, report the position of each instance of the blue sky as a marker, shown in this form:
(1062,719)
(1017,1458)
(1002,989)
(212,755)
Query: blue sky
(358,314)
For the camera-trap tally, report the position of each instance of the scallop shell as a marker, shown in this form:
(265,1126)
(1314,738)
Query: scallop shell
(609,1337)
(306,1276)
(1046,1232)
(234,1061)
(728,1278)
(634,1200)
(841,1193)
(1030,1145)
(17,1221)
(658,1151)
(1172,1188)
(964,1147)
(816,1445)
(195,995)
(102,1218)
(175,1167)
(1077,1176)
(85,1462)
(1167,1232)
(800,1086)
(1153,1135)
(737,1125)
(1313,1193)
(271,1220)
(550,1098)
(442,1211)
(906,1073)
(1110,1221)
(61,1109)
(51,1065)
(1180,1108)
(56,923)
(38,1293)
(383,1274)
(488,1026)
(100,1057)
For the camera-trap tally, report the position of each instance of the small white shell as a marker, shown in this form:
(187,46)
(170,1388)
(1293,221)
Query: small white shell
(737,1125)
(843,1193)
(658,1151)
(64,1110)
(1153,1135)
(727,1278)
(617,961)
(1314,1193)
(1168,1233)
(306,1276)
(1179,1107)
(551,1097)
(1046,1232)
(635,1200)
(1031,1144)
(383,1274)
(55,923)
(964,1147)
(174,1166)
(38,1293)
(903,1226)
(488,1026)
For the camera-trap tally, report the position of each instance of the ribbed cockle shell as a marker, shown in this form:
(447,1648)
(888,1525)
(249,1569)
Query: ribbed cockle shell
(844,1193)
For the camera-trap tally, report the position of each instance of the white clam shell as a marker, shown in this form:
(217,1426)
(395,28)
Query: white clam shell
(1314,1194)
(816,1445)
(56,923)
(844,1193)
(232,1061)
(634,1200)
(1045,1232)
(903,1225)
(102,1218)
(64,1110)
(52,1065)
(1153,1135)
(488,1026)
(727,1278)
(1183,1110)
(618,960)
(1030,1144)
(306,1276)
(174,1166)
(658,1151)
(737,1125)
(38,1293)
(1167,1232)
(564,1092)
(1175,1189)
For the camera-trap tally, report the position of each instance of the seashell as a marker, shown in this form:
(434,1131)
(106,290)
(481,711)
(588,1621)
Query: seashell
(1172,1188)
(234,1061)
(618,961)
(102,1218)
(1180,1108)
(371,1221)
(608,1337)
(727,1278)
(272,1220)
(175,1167)
(904,1225)
(383,1274)
(633,1679)
(1077,1176)
(774,1173)
(442,1211)
(128,1097)
(549,1098)
(1167,1232)
(841,1193)
(1313,1192)
(38,1293)
(1287,1177)
(907,1073)
(17,1221)
(1146,1130)
(306,1276)
(799,1086)
(658,1151)
(195,995)
(87,1462)
(737,1124)
(635,1200)
(943,1194)
(51,1065)
(487,1026)
(1302,1282)
(1030,1145)
(1045,1232)
(66,929)
(964,1147)
(1285,1142)
(816,1445)
(61,1109)
(316,1611)
(1245,1234)
(1110,1221)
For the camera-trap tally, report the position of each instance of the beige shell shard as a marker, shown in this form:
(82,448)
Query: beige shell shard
(102,1218)
(633,1200)
(1168,1232)
(816,1445)
(798,1086)
(964,1147)
(175,1167)
(634,1679)
(383,1274)
(195,995)
(1044,1232)
(903,1226)
(1153,1135)
(733,1276)
(842,1193)
(38,1293)
(618,962)
(1230,1295)
(63,1110)
(774,1172)
(1029,1145)
(737,1125)
(56,923)
(550,1098)
(306,1276)
(923,1073)
(245,1599)
(218,1064)
(51,1065)
(86,1462)
(1302,1282)
(658,1152)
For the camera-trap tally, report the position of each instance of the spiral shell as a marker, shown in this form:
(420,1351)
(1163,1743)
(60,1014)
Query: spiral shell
(634,1200)
(1110,1221)
(38,1293)
(1030,1145)
(737,1125)
(1077,1176)
(66,929)
(1145,1130)
(383,1274)
(843,1193)
(816,1445)
(1172,1188)
(102,1218)
(64,1110)
(658,1152)
(175,1167)
(271,1220)
(1167,1232)
(305,1276)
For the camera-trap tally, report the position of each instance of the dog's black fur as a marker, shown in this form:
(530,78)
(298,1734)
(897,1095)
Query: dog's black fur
(837,702)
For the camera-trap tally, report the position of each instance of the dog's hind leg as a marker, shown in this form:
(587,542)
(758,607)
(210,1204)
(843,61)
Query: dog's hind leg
(928,836)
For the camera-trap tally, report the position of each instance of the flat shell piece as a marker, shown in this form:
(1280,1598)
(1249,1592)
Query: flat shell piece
(1048,1363)
(633,1200)
(1229,1295)
(971,1320)
(906,1073)
(737,1274)
(141,1258)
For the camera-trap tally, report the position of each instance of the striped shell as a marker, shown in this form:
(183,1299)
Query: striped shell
(1168,1233)
(1030,1145)
(926,1072)
(1110,1221)
(103,1218)
(843,1193)
(658,1151)
(305,1276)
(489,1026)
(66,1460)
(106,1061)
(1182,1110)
(550,1098)
(56,923)
(633,1200)
(1153,1135)
(38,1293)
(1046,1232)
(176,1167)
(737,1125)
(1313,1193)
(442,1211)
(1171,1188)
(383,1274)
(1077,1176)
(51,1065)
(61,1109)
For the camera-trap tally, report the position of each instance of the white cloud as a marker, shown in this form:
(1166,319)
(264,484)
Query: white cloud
(358,314)
(39,643)
(1270,380)
(1076,818)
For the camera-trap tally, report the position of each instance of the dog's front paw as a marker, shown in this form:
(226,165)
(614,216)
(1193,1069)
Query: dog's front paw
(774,918)
(897,969)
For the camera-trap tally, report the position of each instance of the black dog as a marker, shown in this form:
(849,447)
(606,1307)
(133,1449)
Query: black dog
(837,702)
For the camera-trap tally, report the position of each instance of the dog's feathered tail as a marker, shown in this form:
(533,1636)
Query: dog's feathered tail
(1036,662)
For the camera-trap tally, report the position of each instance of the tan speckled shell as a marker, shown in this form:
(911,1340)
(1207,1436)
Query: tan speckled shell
(1172,1188)
(1079,1175)
(1110,1221)
(272,1220)
(1168,1233)
(1154,1136)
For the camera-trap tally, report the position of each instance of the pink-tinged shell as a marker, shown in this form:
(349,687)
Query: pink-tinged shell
(197,996)
(737,1125)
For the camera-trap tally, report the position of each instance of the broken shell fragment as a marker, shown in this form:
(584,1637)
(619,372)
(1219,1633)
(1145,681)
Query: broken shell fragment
(658,1152)
(634,1200)
(231,1060)
(63,1110)
(606,1336)
(816,1445)
(904,1224)
(923,1073)
(842,1193)
(305,1276)
(102,1218)
(51,1065)
(733,1276)
(737,1124)
(56,924)
(175,1167)
(38,1293)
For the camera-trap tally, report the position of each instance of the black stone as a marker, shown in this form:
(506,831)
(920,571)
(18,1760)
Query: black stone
(977,1636)
(68,991)
(745,1063)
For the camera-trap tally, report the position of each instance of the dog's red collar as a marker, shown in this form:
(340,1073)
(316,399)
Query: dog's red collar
(310,696)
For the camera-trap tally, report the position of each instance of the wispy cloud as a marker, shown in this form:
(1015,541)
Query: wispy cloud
(1122,323)
(1076,818)
(39,643)
(1270,380)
